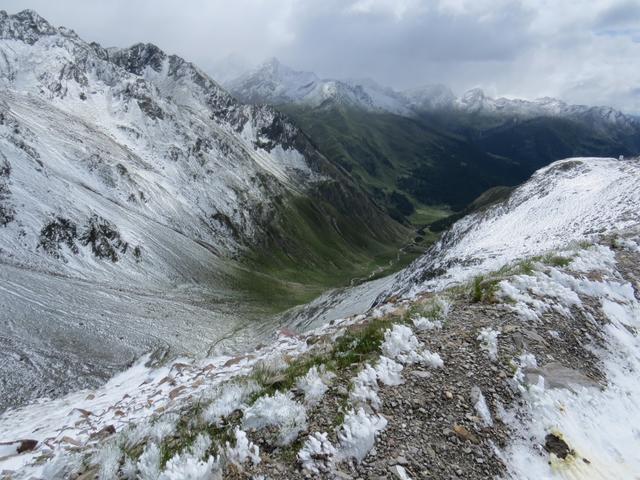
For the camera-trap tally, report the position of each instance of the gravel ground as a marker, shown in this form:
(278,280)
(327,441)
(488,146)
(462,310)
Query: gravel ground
(433,429)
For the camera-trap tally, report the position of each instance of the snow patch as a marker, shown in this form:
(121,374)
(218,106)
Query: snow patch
(488,339)
(318,454)
(388,371)
(401,344)
(480,404)
(365,388)
(278,410)
(228,398)
(149,462)
(423,324)
(597,424)
(243,450)
(314,384)
(358,432)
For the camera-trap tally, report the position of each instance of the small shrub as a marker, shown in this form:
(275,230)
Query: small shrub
(484,289)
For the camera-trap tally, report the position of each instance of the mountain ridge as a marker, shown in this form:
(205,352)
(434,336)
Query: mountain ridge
(432,151)
(430,97)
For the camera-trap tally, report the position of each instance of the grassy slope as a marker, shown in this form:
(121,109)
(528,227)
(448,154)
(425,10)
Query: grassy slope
(388,153)
(444,161)
(315,243)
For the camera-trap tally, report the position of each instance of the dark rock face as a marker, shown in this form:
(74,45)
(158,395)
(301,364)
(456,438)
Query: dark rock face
(142,93)
(556,445)
(136,58)
(26,25)
(277,129)
(27,445)
(7,212)
(104,239)
(58,232)
(102,236)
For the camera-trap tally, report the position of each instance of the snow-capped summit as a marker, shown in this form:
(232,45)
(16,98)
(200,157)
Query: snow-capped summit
(276,84)
(27,26)
(430,97)
(273,82)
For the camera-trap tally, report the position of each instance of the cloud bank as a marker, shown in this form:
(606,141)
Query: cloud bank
(583,51)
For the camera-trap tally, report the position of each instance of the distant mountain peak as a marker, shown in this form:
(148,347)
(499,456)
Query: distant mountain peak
(135,58)
(29,15)
(25,25)
(272,63)
(430,97)
(275,83)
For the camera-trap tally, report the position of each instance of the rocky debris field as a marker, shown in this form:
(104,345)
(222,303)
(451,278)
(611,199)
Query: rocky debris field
(479,381)
(435,428)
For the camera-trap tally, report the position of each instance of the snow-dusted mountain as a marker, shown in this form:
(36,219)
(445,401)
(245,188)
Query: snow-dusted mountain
(475,101)
(276,84)
(132,183)
(121,153)
(568,201)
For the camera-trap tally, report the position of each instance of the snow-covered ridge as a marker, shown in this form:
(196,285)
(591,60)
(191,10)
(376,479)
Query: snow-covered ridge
(567,201)
(275,83)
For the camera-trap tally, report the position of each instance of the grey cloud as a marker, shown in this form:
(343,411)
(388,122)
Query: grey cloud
(619,15)
(584,51)
(406,51)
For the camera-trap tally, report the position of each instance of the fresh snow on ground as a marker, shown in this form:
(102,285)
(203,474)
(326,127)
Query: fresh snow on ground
(227,398)
(244,450)
(358,433)
(314,384)
(488,339)
(480,404)
(365,388)
(599,425)
(128,402)
(401,344)
(423,324)
(388,371)
(568,201)
(278,410)
(317,454)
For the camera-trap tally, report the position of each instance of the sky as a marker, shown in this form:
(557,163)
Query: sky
(583,51)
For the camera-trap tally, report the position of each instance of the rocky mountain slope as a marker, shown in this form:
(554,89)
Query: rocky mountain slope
(101,143)
(132,183)
(522,372)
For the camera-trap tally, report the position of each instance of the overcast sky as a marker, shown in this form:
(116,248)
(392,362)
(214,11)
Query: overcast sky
(584,51)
